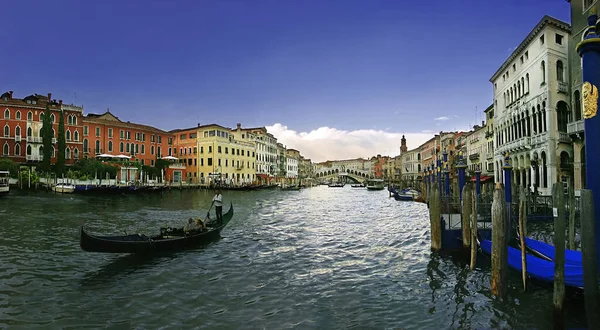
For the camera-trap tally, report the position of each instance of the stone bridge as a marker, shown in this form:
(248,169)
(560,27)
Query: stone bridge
(335,173)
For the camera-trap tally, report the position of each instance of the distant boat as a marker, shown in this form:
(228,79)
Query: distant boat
(405,195)
(357,185)
(4,184)
(63,188)
(336,185)
(375,184)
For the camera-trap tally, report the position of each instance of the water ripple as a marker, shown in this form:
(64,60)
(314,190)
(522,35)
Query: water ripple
(317,258)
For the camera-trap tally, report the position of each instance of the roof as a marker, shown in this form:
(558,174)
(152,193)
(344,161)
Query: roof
(108,118)
(41,101)
(546,20)
(491,107)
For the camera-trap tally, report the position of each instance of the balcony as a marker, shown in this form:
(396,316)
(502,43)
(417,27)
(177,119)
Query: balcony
(239,168)
(563,87)
(53,140)
(17,138)
(564,138)
(474,156)
(177,166)
(34,158)
(575,127)
(34,139)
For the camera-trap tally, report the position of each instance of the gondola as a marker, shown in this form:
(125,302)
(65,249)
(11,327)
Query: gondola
(169,239)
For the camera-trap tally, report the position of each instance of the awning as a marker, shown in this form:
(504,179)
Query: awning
(483,178)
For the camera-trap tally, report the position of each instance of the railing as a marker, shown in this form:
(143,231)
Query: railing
(53,140)
(17,138)
(474,156)
(34,139)
(562,87)
(564,137)
(575,127)
(35,158)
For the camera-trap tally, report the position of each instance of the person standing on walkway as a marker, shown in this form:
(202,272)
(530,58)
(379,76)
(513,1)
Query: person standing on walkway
(218,201)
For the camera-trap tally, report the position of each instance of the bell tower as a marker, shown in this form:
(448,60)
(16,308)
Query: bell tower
(403,145)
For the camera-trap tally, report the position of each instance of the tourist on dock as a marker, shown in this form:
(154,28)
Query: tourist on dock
(218,201)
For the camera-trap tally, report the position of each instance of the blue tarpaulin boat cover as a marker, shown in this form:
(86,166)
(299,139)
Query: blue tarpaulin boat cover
(571,257)
(539,268)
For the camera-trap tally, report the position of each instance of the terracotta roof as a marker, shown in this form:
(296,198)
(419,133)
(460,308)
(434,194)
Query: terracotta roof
(100,119)
(41,101)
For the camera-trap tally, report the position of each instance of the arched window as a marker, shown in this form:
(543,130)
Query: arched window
(527,82)
(69,120)
(518,89)
(121,147)
(110,146)
(76,136)
(53,133)
(76,153)
(42,117)
(560,74)
(18,115)
(74,120)
(30,116)
(97,150)
(6,114)
(6,131)
(577,105)
(18,131)
(85,145)
(68,135)
(67,153)
(17,149)
(28,150)
(5,149)
(522,86)
(52,118)
(152,150)
(543,72)
(29,132)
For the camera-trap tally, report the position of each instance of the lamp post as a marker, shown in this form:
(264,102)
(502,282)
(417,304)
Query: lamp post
(508,191)
(478,180)
(462,166)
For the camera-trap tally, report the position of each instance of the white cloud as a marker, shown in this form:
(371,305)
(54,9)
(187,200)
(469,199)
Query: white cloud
(441,118)
(327,143)
(426,131)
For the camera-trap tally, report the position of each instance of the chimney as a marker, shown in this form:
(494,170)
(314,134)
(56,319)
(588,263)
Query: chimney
(60,102)
(10,95)
(49,97)
(239,125)
(198,124)
(482,123)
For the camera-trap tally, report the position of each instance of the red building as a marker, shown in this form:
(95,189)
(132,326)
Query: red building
(183,145)
(21,120)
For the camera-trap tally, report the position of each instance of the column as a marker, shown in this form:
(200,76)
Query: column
(589,50)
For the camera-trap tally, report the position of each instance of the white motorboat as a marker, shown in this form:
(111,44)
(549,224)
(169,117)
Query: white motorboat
(4,184)
(63,188)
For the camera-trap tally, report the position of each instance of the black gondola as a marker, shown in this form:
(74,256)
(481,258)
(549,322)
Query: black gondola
(169,239)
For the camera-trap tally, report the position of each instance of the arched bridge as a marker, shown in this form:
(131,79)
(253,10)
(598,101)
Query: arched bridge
(354,175)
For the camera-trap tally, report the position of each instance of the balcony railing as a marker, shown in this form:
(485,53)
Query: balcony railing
(34,139)
(575,127)
(563,137)
(562,87)
(17,138)
(474,156)
(53,140)
(35,158)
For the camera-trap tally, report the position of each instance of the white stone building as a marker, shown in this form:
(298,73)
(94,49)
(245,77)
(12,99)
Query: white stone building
(411,165)
(477,149)
(531,112)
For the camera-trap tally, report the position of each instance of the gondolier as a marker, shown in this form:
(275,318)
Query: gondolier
(218,201)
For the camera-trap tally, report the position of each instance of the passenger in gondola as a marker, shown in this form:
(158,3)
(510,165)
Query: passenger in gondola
(190,225)
(200,225)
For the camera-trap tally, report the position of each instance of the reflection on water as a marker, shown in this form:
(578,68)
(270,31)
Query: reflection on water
(317,258)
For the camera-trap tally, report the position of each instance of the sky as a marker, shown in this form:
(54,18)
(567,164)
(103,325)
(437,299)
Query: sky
(334,79)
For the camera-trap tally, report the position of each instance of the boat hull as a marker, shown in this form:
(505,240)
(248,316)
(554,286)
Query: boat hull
(168,241)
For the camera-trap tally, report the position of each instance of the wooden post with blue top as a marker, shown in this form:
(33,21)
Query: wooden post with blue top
(589,50)
(508,193)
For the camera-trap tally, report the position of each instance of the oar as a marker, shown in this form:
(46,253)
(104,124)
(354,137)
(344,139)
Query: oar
(208,213)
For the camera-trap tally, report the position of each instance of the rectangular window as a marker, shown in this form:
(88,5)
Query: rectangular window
(201,161)
(542,39)
(160,139)
(85,130)
(219,162)
(97,131)
(219,149)
(128,135)
(122,134)
(110,133)
(526,55)
(209,149)
(209,162)
(558,39)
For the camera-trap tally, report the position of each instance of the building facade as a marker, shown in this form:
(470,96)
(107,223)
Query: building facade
(488,169)
(292,159)
(531,97)
(183,145)
(21,139)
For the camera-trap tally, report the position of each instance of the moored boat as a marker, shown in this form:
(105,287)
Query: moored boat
(169,239)
(375,184)
(63,188)
(4,184)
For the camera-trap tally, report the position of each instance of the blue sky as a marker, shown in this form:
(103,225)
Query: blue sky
(348,65)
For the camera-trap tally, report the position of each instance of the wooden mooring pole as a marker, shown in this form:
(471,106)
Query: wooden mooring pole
(435,209)
(558,210)
(588,252)
(466,214)
(499,243)
(474,210)
(572,209)
(522,216)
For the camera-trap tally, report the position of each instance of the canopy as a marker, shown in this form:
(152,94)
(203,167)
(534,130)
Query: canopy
(105,156)
(122,156)
(483,178)
(170,158)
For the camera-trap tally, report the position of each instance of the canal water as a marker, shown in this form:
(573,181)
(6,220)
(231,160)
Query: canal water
(320,258)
